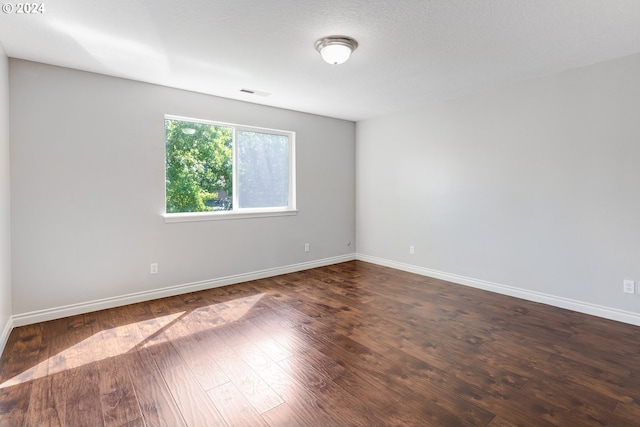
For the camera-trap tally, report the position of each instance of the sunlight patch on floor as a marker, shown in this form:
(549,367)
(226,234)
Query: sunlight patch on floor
(122,339)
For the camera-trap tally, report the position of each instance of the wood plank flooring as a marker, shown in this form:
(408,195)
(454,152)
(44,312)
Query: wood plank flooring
(352,344)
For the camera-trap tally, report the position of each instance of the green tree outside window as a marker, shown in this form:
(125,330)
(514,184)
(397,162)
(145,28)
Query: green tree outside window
(199,166)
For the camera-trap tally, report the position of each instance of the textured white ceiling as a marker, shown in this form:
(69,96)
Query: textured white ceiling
(412,52)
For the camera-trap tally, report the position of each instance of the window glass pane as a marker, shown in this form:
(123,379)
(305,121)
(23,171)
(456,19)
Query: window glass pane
(263,169)
(199,166)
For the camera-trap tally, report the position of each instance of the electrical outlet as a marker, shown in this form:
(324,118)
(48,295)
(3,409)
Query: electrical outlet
(153,269)
(629,287)
(412,250)
(306,247)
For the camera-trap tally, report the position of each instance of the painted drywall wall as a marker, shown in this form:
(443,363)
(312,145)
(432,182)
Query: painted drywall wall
(5,203)
(87,181)
(532,186)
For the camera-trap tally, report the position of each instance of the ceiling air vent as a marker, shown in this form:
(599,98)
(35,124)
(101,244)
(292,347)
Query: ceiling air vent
(255,92)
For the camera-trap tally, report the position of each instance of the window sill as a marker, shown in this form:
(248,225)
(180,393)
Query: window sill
(217,216)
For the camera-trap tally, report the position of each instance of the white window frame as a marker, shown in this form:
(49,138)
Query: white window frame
(238,213)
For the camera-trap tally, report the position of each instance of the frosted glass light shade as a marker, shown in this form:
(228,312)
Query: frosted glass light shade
(335,53)
(336,49)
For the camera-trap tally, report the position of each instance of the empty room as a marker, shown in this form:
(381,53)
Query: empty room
(294,213)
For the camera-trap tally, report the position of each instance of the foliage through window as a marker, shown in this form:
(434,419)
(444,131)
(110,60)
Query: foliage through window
(219,167)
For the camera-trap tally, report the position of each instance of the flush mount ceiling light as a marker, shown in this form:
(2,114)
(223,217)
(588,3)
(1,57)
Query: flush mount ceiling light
(336,49)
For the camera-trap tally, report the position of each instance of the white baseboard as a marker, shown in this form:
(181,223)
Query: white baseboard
(556,301)
(5,334)
(104,303)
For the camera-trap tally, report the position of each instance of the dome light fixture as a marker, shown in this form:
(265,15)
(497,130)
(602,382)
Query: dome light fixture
(336,49)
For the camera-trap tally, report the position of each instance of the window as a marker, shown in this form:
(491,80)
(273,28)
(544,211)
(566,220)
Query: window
(216,170)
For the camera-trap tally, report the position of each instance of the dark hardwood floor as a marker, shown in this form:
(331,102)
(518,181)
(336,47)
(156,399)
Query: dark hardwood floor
(349,344)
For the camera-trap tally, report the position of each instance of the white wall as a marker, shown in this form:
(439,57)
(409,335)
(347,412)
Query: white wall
(87,169)
(5,203)
(533,186)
